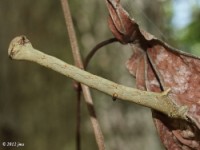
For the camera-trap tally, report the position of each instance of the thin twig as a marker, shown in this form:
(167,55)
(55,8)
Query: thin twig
(86,92)
(71,32)
(96,48)
(21,49)
(78,119)
(77,59)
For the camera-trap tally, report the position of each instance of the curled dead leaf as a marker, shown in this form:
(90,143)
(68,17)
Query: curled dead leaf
(157,67)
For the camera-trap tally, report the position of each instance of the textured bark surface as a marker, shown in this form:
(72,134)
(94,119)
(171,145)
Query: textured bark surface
(157,67)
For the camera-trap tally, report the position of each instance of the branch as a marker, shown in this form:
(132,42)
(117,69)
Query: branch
(72,35)
(86,91)
(21,49)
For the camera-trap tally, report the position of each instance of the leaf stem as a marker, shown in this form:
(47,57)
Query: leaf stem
(96,48)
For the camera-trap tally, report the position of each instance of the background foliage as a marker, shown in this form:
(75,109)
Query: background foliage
(38,106)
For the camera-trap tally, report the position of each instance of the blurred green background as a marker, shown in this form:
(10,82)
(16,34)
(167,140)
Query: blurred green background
(38,106)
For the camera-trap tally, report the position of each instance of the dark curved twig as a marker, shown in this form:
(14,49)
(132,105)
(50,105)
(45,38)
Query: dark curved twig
(96,48)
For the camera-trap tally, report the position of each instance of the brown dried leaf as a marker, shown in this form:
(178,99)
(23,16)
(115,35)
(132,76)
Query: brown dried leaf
(123,28)
(157,67)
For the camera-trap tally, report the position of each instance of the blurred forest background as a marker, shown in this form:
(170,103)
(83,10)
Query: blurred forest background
(38,106)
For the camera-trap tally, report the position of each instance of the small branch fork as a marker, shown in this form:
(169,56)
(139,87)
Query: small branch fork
(21,49)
